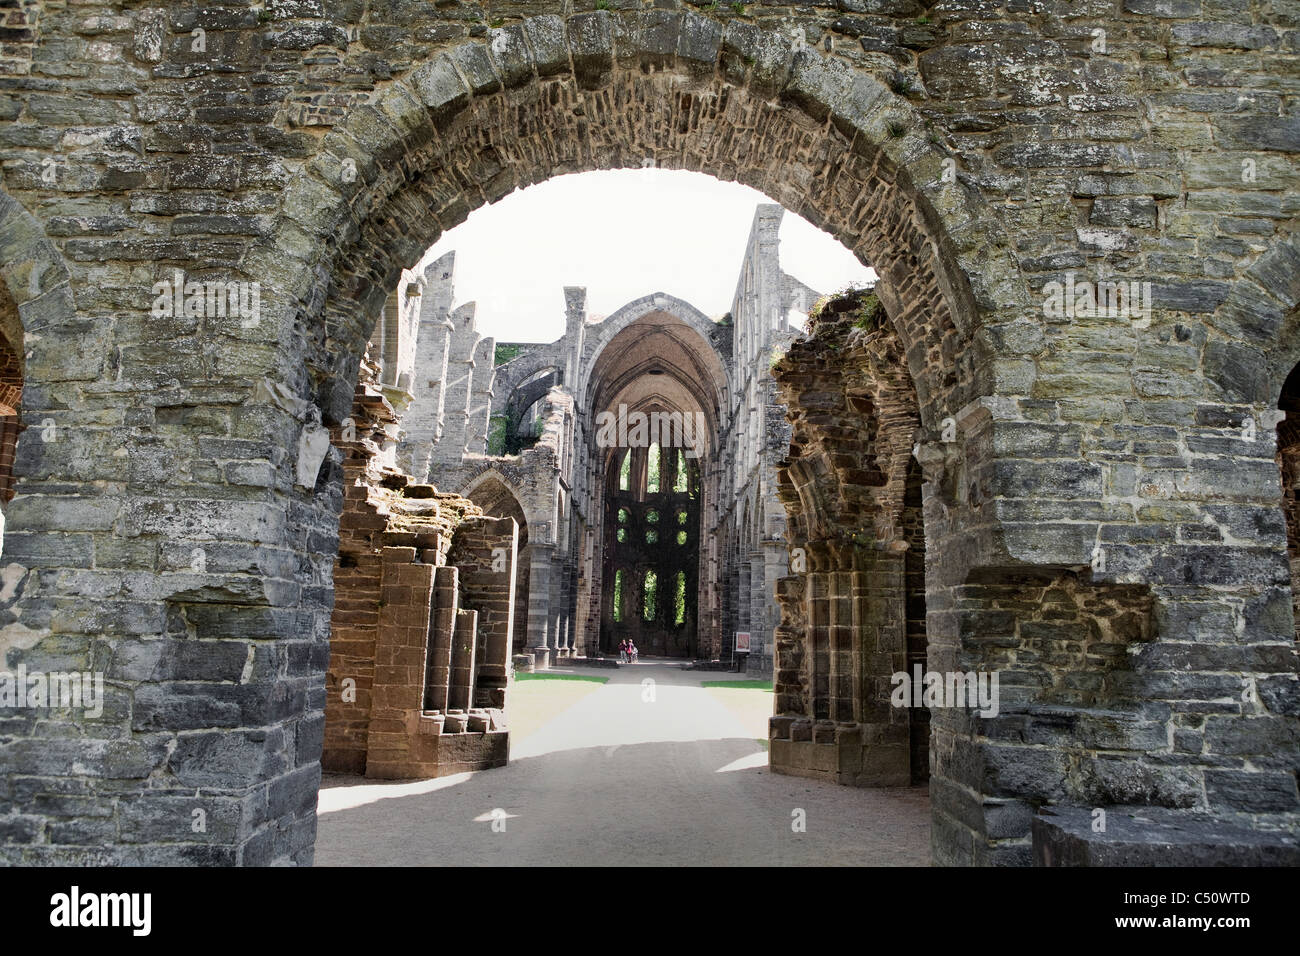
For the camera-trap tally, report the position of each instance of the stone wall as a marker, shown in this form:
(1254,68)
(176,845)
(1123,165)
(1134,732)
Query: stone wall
(973,157)
(1108,696)
(844,483)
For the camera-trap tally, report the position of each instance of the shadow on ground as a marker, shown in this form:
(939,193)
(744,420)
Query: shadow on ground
(701,802)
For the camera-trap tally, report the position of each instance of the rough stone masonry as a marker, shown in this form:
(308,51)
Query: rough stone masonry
(1101,497)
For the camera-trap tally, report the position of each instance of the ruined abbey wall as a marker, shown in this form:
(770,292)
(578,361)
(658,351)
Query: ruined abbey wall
(972,153)
(547,466)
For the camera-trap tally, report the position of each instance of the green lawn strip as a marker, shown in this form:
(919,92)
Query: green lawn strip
(739,684)
(594,680)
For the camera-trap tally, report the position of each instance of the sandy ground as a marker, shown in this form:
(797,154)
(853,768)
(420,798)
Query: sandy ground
(649,768)
(535,703)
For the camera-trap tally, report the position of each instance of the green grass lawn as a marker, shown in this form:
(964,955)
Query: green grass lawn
(597,680)
(739,684)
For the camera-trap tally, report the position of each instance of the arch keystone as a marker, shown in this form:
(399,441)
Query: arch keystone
(591,46)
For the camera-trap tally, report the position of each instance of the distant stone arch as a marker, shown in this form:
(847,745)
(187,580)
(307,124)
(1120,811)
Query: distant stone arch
(499,497)
(609,329)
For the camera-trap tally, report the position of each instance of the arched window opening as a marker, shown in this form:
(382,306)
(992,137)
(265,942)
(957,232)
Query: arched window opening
(625,472)
(618,596)
(649,594)
(652,470)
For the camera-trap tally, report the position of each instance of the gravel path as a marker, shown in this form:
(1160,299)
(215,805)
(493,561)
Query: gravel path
(657,773)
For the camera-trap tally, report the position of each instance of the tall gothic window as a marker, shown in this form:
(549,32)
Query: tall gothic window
(652,551)
(652,471)
(649,595)
(618,596)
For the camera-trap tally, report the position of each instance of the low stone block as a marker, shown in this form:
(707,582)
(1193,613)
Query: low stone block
(1155,836)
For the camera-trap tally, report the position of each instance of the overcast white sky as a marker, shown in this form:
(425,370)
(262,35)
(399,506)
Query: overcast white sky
(622,234)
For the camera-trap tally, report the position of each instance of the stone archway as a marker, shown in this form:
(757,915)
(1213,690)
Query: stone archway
(11,389)
(499,498)
(38,316)
(208,416)
(483,119)
(1255,360)
(204,533)
(609,329)
(547,96)
(174,538)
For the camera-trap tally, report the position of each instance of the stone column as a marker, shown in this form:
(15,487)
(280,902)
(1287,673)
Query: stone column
(742,599)
(423,421)
(480,398)
(776,559)
(458,382)
(539,601)
(575,331)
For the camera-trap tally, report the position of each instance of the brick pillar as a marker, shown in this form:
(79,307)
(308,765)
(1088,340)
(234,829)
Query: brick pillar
(485,552)
(353,629)
(400,649)
(442,629)
(464,646)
